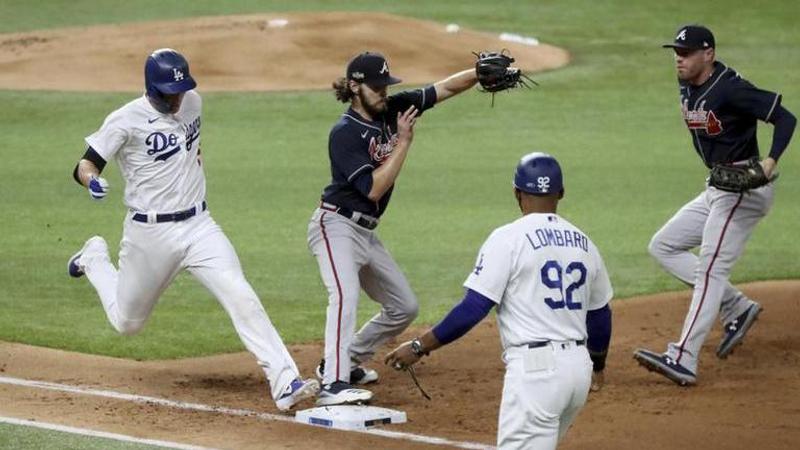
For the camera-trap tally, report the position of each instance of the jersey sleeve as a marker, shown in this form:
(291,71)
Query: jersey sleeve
(422,98)
(601,291)
(492,269)
(750,100)
(348,156)
(111,136)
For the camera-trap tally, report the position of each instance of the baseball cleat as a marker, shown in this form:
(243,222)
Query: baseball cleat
(341,393)
(735,330)
(73,269)
(297,391)
(663,364)
(358,374)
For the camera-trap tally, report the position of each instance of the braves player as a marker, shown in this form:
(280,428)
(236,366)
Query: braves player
(155,140)
(367,148)
(551,289)
(721,110)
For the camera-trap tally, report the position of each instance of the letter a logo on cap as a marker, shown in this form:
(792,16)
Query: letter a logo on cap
(385,68)
(681,35)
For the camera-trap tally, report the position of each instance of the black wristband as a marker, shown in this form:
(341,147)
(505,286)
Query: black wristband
(598,360)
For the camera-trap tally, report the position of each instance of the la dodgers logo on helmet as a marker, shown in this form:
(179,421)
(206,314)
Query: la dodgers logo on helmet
(538,173)
(177,74)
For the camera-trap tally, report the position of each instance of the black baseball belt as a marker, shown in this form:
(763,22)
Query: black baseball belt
(178,216)
(358,217)
(546,343)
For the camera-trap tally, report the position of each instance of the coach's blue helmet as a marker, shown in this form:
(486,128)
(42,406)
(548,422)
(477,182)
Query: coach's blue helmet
(167,72)
(538,173)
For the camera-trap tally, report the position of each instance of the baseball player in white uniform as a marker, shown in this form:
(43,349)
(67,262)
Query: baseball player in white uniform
(155,140)
(551,289)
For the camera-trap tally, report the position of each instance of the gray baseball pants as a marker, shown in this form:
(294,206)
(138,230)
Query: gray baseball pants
(351,257)
(720,223)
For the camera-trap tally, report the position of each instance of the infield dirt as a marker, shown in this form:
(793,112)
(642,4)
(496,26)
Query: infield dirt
(749,401)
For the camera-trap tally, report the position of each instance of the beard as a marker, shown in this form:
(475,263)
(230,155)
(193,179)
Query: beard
(374,111)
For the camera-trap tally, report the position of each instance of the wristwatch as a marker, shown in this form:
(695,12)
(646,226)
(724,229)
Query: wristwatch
(416,348)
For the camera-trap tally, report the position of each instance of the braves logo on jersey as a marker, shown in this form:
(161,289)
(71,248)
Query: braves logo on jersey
(700,119)
(379,151)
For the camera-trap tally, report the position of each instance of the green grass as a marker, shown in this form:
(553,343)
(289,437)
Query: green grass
(24,437)
(611,118)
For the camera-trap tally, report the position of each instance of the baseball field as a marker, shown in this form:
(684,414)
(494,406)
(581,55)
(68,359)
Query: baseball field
(606,107)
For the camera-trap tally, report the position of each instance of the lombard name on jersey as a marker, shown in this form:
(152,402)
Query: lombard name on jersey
(158,154)
(547,237)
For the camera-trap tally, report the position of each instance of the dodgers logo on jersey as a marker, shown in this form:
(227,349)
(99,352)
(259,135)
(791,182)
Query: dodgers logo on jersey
(192,132)
(700,119)
(158,142)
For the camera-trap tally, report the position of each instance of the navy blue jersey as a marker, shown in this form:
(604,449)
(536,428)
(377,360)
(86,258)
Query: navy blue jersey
(722,115)
(357,146)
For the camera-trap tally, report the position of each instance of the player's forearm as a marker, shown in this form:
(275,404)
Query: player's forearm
(784,123)
(455,84)
(384,176)
(85,171)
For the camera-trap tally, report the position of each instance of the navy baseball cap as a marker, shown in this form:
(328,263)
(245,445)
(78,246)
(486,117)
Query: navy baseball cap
(692,37)
(370,68)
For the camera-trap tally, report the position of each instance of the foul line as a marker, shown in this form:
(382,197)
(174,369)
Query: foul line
(231,411)
(99,434)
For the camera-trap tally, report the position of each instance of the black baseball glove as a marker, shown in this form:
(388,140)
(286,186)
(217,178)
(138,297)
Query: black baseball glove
(739,177)
(495,73)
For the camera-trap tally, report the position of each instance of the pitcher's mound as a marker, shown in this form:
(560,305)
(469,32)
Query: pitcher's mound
(291,51)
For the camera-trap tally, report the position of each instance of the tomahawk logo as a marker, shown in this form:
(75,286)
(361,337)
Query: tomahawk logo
(177,74)
(544,183)
(682,35)
(385,68)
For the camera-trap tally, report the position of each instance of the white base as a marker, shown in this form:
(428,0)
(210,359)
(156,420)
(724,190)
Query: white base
(349,417)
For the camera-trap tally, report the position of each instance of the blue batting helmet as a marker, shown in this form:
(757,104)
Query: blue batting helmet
(167,72)
(538,173)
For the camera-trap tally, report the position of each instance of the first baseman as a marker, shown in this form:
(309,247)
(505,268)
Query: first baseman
(551,289)
(367,148)
(155,140)
(721,110)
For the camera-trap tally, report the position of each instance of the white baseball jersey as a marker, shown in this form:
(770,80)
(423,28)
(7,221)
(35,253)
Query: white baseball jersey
(157,154)
(544,274)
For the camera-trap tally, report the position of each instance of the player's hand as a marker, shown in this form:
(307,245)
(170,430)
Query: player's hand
(401,357)
(406,122)
(98,187)
(768,164)
(598,380)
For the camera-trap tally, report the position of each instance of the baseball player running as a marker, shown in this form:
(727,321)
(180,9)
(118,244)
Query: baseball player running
(367,148)
(721,110)
(155,140)
(551,289)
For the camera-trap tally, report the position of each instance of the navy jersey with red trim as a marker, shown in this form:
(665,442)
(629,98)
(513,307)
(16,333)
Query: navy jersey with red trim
(357,146)
(722,115)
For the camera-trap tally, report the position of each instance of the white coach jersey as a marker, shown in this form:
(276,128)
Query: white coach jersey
(157,154)
(544,274)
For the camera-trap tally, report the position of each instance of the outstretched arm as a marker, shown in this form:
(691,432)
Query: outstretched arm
(455,84)
(472,309)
